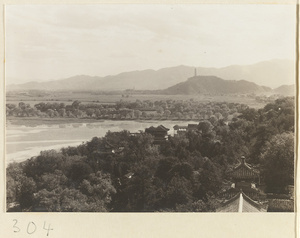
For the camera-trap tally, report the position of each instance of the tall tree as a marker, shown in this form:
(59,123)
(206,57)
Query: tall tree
(277,162)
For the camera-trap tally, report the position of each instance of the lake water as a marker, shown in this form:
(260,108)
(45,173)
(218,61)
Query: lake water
(23,142)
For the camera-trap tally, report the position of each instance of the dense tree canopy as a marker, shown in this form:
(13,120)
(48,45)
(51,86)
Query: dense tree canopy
(124,110)
(277,160)
(128,172)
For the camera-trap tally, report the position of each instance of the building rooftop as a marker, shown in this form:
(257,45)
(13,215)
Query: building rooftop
(281,205)
(241,203)
(243,171)
(176,127)
(192,126)
(160,128)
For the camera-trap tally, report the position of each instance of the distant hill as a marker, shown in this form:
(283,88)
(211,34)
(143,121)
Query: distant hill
(215,86)
(273,73)
(269,73)
(288,90)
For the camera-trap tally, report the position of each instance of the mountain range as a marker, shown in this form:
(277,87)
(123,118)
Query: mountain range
(272,74)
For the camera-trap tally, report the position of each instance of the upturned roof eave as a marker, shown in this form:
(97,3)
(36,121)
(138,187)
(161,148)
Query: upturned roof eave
(245,166)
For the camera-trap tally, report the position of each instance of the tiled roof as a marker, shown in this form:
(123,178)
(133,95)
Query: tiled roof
(163,128)
(281,205)
(241,203)
(159,128)
(244,170)
(246,166)
(176,127)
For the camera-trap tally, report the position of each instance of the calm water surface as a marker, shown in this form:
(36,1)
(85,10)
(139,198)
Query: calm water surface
(23,142)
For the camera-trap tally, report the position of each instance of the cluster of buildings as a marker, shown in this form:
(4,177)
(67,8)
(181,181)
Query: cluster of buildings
(160,133)
(246,193)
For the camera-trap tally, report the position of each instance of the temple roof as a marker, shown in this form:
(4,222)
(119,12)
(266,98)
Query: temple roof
(192,126)
(176,127)
(281,205)
(244,171)
(241,203)
(160,128)
(237,190)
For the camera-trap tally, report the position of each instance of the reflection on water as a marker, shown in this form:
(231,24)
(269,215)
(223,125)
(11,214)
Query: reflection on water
(24,142)
(76,125)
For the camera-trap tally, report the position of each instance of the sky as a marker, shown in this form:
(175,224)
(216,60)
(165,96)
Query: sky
(47,42)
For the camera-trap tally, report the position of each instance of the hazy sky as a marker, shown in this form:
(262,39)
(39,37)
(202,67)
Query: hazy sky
(54,42)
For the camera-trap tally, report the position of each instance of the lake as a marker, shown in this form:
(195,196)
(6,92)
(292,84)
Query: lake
(23,142)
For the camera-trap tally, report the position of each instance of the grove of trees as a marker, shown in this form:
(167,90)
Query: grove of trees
(127,172)
(158,110)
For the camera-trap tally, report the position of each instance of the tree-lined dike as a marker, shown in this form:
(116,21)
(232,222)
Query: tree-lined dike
(126,110)
(125,171)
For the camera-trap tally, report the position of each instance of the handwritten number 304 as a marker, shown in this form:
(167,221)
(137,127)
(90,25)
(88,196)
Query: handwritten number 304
(31,227)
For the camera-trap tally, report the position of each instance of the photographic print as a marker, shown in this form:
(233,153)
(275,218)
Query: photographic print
(150,108)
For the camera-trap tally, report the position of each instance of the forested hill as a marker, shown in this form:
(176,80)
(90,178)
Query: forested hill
(287,90)
(214,85)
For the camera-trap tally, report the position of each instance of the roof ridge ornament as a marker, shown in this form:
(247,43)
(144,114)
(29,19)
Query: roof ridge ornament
(241,202)
(243,160)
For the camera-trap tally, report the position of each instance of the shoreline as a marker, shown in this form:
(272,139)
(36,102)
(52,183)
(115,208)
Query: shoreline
(35,121)
(42,121)
(34,132)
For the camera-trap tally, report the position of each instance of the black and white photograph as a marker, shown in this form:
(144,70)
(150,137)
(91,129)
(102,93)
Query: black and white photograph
(150,108)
